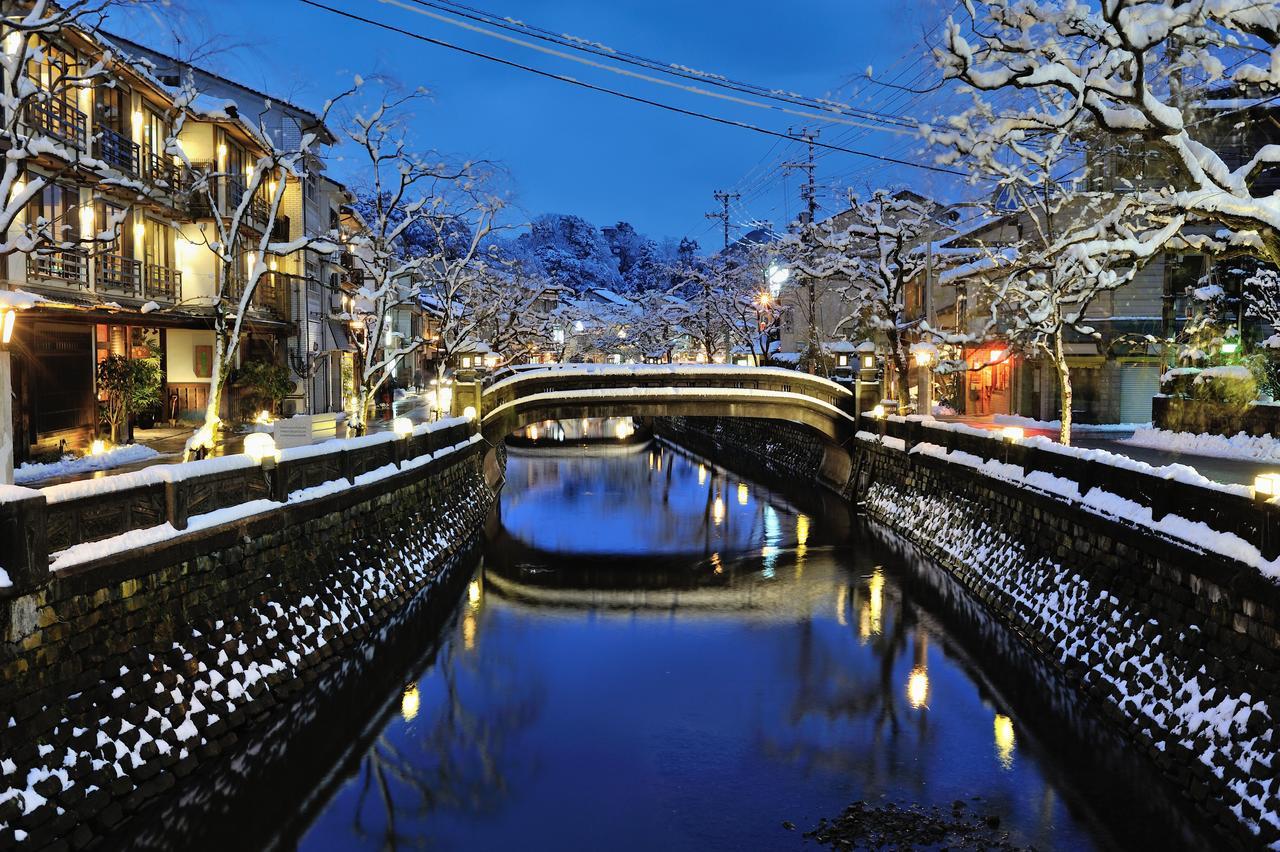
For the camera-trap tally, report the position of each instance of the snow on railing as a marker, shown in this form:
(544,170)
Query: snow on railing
(650,371)
(1173,500)
(93,518)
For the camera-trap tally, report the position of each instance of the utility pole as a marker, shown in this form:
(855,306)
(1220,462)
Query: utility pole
(723,215)
(809,195)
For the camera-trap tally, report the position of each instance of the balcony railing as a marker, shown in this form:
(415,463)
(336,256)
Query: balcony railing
(118,274)
(271,294)
(163,283)
(70,266)
(117,151)
(159,170)
(55,117)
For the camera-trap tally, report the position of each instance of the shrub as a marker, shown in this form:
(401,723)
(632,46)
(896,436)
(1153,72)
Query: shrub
(131,385)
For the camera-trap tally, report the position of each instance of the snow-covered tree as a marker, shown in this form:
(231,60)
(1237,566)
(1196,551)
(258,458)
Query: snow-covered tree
(517,318)
(872,253)
(1036,282)
(392,245)
(458,278)
(571,251)
(239,229)
(1129,69)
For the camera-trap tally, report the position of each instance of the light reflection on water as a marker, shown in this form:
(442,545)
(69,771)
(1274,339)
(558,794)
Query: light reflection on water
(649,660)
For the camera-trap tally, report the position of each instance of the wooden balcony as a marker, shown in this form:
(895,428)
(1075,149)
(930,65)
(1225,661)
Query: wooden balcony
(271,294)
(69,267)
(116,274)
(59,119)
(117,151)
(163,284)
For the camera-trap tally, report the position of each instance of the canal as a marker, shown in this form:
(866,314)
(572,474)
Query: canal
(656,653)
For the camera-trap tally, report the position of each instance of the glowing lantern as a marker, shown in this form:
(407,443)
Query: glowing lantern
(1012,434)
(402,426)
(260,447)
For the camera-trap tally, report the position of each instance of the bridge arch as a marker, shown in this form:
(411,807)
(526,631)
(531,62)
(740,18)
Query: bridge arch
(574,391)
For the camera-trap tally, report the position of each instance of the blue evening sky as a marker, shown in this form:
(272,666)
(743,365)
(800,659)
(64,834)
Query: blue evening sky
(569,150)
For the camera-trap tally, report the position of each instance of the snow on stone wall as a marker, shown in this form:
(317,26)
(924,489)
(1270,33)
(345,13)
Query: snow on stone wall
(1183,665)
(197,643)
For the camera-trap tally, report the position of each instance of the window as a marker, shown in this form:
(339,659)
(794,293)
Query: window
(59,206)
(157,244)
(122,245)
(110,106)
(155,130)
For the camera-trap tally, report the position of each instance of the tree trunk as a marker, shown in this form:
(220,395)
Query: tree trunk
(901,377)
(206,437)
(1064,390)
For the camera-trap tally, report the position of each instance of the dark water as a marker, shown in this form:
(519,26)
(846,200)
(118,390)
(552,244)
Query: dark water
(657,654)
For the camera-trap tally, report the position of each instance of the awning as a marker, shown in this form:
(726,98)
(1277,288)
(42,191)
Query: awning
(336,337)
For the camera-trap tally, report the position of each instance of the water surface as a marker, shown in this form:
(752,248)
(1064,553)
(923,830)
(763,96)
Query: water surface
(658,654)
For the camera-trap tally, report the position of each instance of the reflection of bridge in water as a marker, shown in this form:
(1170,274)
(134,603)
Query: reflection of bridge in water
(574,391)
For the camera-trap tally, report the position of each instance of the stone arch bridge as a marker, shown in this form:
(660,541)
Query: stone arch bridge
(572,391)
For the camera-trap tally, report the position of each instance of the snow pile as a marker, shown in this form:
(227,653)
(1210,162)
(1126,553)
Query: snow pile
(1233,372)
(1055,425)
(71,465)
(5,582)
(1262,448)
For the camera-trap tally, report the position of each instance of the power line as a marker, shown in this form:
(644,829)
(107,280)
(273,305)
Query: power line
(606,90)
(899,126)
(671,68)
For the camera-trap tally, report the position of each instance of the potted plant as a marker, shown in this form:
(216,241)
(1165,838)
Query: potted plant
(130,385)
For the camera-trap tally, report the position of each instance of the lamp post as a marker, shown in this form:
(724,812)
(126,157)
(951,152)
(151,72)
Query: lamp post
(8,319)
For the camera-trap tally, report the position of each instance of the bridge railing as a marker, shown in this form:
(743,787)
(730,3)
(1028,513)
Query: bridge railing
(59,517)
(1163,491)
(575,377)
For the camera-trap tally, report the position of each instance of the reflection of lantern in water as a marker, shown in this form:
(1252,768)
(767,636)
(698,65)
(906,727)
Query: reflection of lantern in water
(702,474)
(717,511)
(717,566)
(473,593)
(875,603)
(802,529)
(743,494)
(624,429)
(409,702)
(469,631)
(842,599)
(918,687)
(1004,740)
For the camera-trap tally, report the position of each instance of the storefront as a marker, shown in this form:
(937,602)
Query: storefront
(989,380)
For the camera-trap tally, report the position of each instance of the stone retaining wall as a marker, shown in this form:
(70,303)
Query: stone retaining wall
(120,677)
(1178,648)
(774,447)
